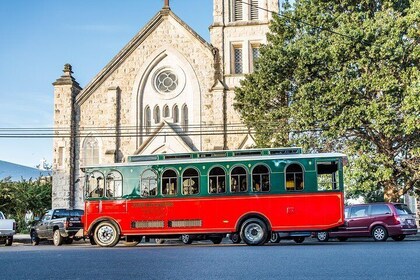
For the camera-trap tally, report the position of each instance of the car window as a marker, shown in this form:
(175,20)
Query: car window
(380,209)
(359,211)
(346,212)
(403,209)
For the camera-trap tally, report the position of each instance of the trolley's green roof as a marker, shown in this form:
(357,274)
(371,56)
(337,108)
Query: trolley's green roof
(216,154)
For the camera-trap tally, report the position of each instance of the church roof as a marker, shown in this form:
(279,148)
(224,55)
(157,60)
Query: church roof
(131,47)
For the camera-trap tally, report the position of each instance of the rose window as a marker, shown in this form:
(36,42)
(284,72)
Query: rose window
(166,81)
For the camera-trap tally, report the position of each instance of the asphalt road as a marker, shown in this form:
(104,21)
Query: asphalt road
(358,259)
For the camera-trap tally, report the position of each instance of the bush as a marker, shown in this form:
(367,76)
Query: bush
(18,198)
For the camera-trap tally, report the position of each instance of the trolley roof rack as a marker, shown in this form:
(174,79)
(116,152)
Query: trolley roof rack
(216,154)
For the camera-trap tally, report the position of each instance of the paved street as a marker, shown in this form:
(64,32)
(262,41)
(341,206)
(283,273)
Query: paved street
(356,259)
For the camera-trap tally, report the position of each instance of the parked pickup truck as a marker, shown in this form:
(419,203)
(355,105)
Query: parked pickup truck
(7,230)
(59,225)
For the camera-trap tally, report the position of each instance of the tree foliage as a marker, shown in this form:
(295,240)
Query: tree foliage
(343,75)
(16,198)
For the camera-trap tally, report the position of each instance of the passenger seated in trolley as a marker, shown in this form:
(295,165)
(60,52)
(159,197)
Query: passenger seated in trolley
(98,191)
(189,186)
(234,185)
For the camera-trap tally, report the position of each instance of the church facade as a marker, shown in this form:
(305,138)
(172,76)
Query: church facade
(166,91)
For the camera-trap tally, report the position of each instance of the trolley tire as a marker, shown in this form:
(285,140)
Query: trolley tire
(106,234)
(254,232)
(57,238)
(379,233)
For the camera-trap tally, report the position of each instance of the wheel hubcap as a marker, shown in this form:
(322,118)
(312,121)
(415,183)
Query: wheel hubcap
(379,233)
(254,232)
(322,235)
(106,234)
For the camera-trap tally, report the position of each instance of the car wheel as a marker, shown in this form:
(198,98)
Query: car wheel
(34,238)
(9,241)
(57,238)
(322,236)
(68,241)
(216,240)
(235,238)
(106,234)
(342,239)
(159,240)
(186,239)
(275,238)
(400,237)
(254,232)
(299,239)
(379,233)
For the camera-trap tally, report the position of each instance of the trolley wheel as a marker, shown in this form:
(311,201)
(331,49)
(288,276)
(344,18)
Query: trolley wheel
(254,232)
(106,234)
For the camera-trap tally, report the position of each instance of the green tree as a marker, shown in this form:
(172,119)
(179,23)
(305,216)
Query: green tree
(341,75)
(16,198)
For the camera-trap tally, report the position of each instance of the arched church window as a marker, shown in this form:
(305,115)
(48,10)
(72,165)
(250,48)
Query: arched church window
(184,120)
(147,119)
(166,111)
(156,114)
(175,114)
(90,151)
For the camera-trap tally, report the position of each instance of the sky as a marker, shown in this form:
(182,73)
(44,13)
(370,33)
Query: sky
(37,37)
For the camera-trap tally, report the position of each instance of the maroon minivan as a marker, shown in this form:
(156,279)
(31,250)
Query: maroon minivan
(377,220)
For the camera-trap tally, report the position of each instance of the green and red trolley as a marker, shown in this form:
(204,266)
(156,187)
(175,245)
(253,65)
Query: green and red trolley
(250,194)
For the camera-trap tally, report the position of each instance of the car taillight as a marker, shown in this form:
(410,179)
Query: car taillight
(14,226)
(398,220)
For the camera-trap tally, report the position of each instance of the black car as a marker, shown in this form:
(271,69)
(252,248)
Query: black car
(59,225)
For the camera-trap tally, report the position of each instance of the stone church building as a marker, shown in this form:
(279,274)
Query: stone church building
(166,91)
